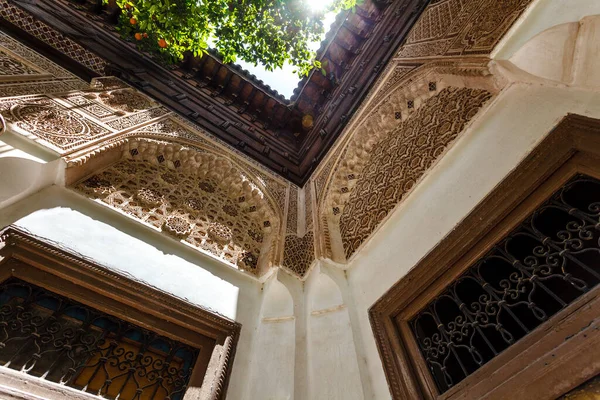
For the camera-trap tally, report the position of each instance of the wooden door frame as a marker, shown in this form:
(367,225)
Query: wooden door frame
(560,354)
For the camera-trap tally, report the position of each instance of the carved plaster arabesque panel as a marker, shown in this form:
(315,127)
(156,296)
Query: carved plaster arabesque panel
(172,128)
(292,211)
(399,161)
(460,27)
(10,66)
(23,71)
(193,196)
(59,127)
(308,207)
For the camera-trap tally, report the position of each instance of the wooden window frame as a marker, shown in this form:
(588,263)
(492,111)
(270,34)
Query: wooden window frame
(560,354)
(33,260)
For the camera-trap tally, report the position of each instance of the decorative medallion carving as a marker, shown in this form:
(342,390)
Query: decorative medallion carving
(128,100)
(55,124)
(11,66)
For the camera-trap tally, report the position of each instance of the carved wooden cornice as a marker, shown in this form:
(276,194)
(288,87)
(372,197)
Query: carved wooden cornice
(271,133)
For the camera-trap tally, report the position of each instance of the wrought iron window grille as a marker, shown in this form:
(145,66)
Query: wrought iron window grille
(50,336)
(542,266)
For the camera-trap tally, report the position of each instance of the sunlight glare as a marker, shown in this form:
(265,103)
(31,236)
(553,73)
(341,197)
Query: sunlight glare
(318,5)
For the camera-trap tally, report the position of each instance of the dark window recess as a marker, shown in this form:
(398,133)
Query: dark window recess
(546,263)
(50,336)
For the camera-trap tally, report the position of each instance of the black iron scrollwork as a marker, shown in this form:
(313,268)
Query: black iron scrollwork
(53,337)
(541,267)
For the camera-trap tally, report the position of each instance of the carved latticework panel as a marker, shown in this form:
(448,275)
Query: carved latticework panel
(308,207)
(540,268)
(51,37)
(401,159)
(292,211)
(49,335)
(299,253)
(177,191)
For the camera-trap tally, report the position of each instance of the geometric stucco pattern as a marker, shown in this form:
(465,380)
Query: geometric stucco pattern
(461,27)
(180,192)
(299,253)
(173,127)
(51,37)
(402,102)
(292,212)
(308,209)
(398,161)
(23,71)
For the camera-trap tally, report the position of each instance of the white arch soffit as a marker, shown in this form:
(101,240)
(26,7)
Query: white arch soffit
(278,303)
(540,16)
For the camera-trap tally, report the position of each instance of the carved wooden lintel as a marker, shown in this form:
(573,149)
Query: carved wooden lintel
(34,260)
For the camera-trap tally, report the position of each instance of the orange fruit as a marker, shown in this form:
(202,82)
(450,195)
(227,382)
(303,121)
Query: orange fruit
(138,36)
(145,35)
(133,21)
(162,43)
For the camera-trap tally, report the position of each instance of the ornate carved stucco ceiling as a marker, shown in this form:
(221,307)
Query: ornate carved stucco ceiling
(437,83)
(225,100)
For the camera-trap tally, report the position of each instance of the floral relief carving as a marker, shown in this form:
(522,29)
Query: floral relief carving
(195,197)
(399,160)
(51,122)
(25,72)
(128,100)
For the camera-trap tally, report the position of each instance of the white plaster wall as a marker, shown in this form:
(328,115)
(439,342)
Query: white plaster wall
(497,141)
(121,244)
(333,366)
(273,362)
(540,16)
(567,53)
(25,168)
